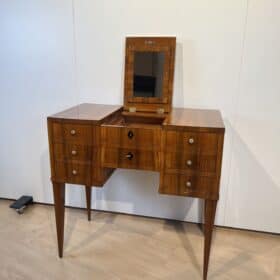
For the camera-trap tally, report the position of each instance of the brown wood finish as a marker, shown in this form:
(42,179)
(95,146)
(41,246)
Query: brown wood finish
(87,113)
(89,141)
(200,120)
(59,202)
(210,211)
(149,44)
(185,146)
(88,199)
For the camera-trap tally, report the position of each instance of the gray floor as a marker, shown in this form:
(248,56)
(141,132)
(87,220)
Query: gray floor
(115,246)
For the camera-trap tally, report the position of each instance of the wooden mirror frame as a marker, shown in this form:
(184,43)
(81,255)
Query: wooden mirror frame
(149,44)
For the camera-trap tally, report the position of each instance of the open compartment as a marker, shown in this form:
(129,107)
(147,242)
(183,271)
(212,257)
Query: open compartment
(124,118)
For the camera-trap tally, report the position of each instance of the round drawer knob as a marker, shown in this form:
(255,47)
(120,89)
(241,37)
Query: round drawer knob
(73,131)
(188,184)
(191,140)
(129,156)
(74,172)
(189,162)
(74,152)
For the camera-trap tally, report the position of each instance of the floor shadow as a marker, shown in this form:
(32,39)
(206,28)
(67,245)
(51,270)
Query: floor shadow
(69,227)
(107,227)
(180,228)
(239,259)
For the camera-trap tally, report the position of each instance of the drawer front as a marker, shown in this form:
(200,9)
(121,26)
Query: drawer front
(131,159)
(73,172)
(192,142)
(133,138)
(72,133)
(73,152)
(181,141)
(187,185)
(193,162)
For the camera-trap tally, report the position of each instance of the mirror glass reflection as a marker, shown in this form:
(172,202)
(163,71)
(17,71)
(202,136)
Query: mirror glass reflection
(148,74)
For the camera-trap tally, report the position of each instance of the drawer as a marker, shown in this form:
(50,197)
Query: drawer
(130,159)
(192,142)
(72,152)
(130,137)
(72,133)
(73,172)
(190,161)
(187,185)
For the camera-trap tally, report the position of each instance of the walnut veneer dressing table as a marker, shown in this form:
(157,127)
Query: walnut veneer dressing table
(89,141)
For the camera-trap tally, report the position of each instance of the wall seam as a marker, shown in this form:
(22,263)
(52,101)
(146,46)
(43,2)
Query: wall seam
(75,63)
(239,88)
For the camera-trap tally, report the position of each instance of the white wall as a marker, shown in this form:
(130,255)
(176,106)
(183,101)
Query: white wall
(54,55)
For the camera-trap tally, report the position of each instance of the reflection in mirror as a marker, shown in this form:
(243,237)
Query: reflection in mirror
(148,74)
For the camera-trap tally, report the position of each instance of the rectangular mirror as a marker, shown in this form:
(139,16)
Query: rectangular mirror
(148,74)
(149,70)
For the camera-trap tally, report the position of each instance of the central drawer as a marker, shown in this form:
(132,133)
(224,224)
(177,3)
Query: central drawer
(130,158)
(132,138)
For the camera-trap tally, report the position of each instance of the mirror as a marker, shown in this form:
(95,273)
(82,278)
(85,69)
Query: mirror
(148,74)
(149,70)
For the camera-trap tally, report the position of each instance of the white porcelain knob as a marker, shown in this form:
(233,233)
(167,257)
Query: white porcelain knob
(188,184)
(73,131)
(191,140)
(189,162)
(74,152)
(74,172)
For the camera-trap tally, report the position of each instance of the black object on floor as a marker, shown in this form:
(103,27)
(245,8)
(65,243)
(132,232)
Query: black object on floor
(21,203)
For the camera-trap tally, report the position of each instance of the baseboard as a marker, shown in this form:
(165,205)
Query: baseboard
(143,216)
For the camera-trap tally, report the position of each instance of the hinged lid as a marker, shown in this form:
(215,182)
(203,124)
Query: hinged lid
(149,71)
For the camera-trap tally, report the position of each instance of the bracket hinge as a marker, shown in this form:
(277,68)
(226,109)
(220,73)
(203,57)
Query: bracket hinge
(160,110)
(132,109)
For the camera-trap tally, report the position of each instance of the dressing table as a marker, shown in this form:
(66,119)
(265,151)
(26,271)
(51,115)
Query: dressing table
(89,141)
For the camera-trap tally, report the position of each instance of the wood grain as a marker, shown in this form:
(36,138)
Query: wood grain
(167,45)
(88,199)
(87,112)
(195,119)
(87,142)
(59,201)
(147,141)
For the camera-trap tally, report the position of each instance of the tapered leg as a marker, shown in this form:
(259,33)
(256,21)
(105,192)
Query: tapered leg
(209,212)
(59,200)
(88,198)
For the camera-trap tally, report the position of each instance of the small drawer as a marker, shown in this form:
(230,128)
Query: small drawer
(177,161)
(73,172)
(192,142)
(72,133)
(72,152)
(187,185)
(130,159)
(181,141)
(192,161)
(131,137)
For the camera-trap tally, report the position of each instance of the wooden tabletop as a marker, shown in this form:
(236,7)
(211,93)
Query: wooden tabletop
(201,119)
(179,118)
(87,112)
